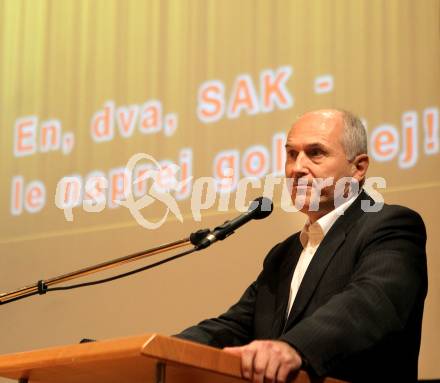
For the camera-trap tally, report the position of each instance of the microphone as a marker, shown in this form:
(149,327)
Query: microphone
(259,208)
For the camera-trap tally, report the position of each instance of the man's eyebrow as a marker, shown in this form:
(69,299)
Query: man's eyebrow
(315,145)
(312,145)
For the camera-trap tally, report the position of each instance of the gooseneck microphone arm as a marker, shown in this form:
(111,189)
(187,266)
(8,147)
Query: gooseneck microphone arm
(259,208)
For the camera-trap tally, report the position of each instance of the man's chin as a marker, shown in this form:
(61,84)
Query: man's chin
(306,205)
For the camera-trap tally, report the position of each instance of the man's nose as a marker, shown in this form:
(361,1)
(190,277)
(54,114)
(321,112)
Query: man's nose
(300,164)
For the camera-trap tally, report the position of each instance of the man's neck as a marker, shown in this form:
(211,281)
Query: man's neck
(315,215)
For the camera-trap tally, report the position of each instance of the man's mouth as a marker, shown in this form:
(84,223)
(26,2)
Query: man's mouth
(301,184)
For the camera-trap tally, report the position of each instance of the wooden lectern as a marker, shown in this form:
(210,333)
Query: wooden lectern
(139,359)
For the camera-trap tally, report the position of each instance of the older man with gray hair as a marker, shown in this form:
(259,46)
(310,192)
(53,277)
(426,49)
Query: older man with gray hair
(344,297)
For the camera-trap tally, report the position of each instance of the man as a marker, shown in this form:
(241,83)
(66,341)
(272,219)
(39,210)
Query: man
(344,297)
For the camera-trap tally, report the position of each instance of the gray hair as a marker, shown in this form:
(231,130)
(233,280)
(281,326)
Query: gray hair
(354,138)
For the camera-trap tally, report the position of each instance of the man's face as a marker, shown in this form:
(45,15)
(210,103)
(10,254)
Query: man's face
(314,150)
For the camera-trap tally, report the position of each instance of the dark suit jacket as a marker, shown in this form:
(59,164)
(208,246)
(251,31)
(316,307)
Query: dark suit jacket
(357,315)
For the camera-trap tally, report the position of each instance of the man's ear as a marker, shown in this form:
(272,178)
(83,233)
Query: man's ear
(360,166)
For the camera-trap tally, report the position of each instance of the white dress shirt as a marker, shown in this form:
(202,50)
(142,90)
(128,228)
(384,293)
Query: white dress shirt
(311,236)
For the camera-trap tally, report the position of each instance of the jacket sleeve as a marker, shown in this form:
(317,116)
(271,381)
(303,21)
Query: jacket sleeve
(236,326)
(389,283)
(233,328)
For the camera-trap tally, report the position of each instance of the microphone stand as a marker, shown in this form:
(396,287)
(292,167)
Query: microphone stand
(201,239)
(42,286)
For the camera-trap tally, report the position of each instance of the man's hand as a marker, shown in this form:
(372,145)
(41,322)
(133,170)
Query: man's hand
(267,360)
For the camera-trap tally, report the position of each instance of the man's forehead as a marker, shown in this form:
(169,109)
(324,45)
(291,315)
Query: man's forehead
(308,141)
(321,123)
(326,117)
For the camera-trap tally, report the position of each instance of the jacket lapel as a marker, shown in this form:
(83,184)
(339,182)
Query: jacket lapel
(325,252)
(283,289)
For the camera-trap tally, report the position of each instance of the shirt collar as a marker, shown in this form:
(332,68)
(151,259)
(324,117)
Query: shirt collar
(314,233)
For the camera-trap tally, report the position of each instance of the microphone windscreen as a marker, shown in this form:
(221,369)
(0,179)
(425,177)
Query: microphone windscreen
(260,208)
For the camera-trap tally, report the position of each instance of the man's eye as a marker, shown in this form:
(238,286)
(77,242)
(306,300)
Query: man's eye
(315,152)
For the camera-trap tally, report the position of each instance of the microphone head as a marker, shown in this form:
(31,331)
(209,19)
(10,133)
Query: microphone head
(260,208)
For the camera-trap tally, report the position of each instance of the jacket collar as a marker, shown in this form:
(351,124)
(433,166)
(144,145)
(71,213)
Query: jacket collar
(325,252)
